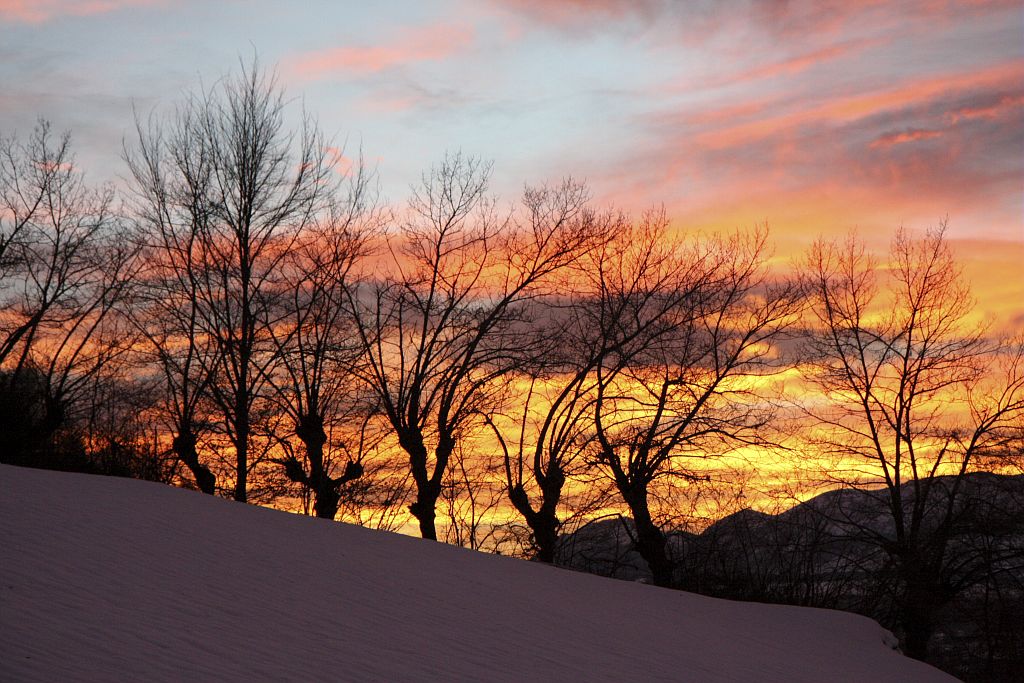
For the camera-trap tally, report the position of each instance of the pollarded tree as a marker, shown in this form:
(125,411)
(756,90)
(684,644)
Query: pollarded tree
(619,302)
(690,391)
(167,306)
(315,381)
(226,173)
(450,318)
(920,396)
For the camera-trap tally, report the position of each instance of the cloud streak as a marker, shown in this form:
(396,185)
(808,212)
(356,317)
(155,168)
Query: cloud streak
(840,108)
(41,11)
(915,149)
(408,46)
(905,136)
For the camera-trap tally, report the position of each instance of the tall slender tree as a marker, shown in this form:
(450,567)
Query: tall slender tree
(226,173)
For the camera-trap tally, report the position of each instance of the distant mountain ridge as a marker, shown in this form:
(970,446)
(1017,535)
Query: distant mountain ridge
(605,547)
(833,551)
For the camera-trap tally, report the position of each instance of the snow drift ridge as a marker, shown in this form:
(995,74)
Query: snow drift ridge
(112,579)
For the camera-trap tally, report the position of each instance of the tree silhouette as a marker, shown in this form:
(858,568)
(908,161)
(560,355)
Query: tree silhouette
(441,331)
(315,382)
(919,397)
(241,188)
(66,266)
(686,389)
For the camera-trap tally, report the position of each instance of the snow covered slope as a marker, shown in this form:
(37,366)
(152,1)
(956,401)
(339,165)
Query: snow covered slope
(116,580)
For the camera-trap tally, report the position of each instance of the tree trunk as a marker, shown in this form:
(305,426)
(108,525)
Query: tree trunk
(184,446)
(544,523)
(545,534)
(917,634)
(428,487)
(326,501)
(650,541)
(241,451)
(310,430)
(921,600)
(424,512)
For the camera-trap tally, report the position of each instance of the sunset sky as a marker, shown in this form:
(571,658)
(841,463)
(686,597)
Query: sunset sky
(814,117)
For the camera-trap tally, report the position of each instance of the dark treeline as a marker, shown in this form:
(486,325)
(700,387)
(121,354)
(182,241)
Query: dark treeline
(245,317)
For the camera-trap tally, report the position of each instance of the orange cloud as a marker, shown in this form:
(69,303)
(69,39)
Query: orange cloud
(428,43)
(993,269)
(39,11)
(991,266)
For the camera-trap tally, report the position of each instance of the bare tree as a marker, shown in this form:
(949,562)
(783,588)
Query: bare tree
(31,175)
(919,398)
(315,382)
(438,335)
(472,496)
(691,391)
(65,267)
(228,173)
(542,450)
(379,498)
(169,216)
(619,302)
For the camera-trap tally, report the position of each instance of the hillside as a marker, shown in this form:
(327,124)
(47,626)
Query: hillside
(112,579)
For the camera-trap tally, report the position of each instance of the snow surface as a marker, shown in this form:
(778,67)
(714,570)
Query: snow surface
(106,579)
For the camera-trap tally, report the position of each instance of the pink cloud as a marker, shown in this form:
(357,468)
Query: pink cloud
(989,111)
(39,11)
(910,149)
(783,19)
(794,65)
(847,108)
(65,167)
(567,12)
(421,44)
(341,164)
(901,137)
